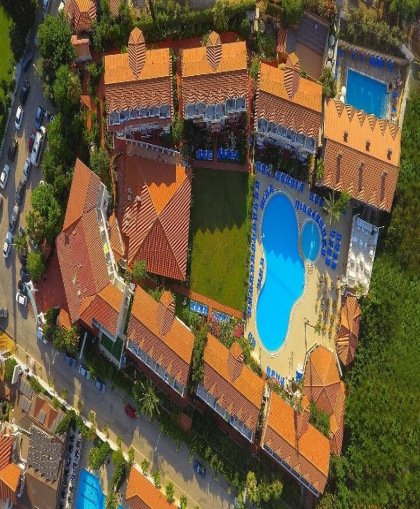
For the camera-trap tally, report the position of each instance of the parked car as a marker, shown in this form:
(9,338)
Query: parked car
(22,287)
(27,169)
(3,313)
(24,275)
(1,201)
(4,176)
(19,192)
(13,218)
(199,469)
(11,152)
(21,299)
(38,146)
(100,385)
(84,372)
(39,117)
(130,411)
(23,260)
(40,336)
(62,5)
(20,113)
(27,60)
(24,92)
(7,246)
(31,140)
(70,360)
(45,7)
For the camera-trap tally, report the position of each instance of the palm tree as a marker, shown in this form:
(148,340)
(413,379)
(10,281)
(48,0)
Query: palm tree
(332,210)
(111,500)
(147,399)
(21,243)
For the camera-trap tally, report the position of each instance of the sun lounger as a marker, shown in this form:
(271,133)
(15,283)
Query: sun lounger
(332,234)
(329,251)
(311,196)
(297,202)
(257,184)
(323,251)
(335,256)
(338,237)
(301,187)
(337,246)
(328,261)
(334,265)
(331,243)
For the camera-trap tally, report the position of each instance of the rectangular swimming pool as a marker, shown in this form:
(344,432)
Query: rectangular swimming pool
(367,93)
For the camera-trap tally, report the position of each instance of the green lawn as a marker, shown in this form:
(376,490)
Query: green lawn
(220,222)
(6,53)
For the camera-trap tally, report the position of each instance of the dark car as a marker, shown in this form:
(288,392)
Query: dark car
(23,260)
(22,287)
(24,92)
(27,60)
(24,275)
(70,360)
(39,117)
(3,312)
(199,469)
(130,411)
(13,218)
(19,192)
(12,148)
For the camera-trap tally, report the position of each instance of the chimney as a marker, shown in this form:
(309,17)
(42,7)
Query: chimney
(136,51)
(367,145)
(360,187)
(338,168)
(384,175)
(346,135)
(389,153)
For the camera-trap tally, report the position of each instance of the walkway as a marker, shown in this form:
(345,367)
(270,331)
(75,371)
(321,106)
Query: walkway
(216,165)
(212,304)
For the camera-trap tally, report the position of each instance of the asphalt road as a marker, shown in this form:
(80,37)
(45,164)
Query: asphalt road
(20,325)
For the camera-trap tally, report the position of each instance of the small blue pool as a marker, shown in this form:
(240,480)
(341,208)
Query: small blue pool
(310,240)
(89,492)
(285,273)
(366,93)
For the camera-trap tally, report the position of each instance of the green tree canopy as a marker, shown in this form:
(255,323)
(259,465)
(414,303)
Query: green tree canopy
(67,91)
(54,41)
(139,271)
(45,218)
(292,12)
(329,85)
(36,265)
(145,395)
(100,162)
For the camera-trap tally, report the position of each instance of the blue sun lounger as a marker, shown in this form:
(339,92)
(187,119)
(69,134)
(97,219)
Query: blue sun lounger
(334,265)
(328,261)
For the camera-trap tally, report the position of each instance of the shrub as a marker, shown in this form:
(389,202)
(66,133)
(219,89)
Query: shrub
(36,265)
(119,473)
(98,455)
(156,478)
(10,367)
(183,502)
(169,491)
(36,386)
(144,465)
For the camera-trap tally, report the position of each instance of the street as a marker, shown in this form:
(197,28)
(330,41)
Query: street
(20,325)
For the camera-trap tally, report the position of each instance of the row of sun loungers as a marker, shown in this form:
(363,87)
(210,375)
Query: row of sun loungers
(332,251)
(273,374)
(299,205)
(204,155)
(202,309)
(316,199)
(228,154)
(263,168)
(289,181)
(220,317)
(253,247)
(374,60)
(252,339)
(267,193)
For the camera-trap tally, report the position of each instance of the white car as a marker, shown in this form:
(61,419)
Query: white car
(4,176)
(100,385)
(40,336)
(27,170)
(19,118)
(21,299)
(84,372)
(7,246)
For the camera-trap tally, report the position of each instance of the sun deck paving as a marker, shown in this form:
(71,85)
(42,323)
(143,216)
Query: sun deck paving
(293,351)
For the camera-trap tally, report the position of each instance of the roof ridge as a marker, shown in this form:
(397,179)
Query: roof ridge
(169,243)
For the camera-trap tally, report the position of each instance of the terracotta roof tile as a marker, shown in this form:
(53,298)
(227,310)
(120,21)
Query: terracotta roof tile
(81,13)
(308,454)
(362,154)
(103,307)
(165,193)
(82,47)
(10,476)
(64,319)
(173,348)
(142,494)
(115,238)
(322,385)
(287,99)
(233,384)
(6,445)
(349,331)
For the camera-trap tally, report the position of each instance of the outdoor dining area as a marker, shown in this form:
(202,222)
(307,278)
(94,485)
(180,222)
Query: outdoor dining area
(204,155)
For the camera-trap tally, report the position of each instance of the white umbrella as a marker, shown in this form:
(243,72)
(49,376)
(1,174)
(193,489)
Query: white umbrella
(342,99)
(343,90)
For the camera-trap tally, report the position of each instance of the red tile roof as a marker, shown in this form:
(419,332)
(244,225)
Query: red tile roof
(81,255)
(142,494)
(288,100)
(214,73)
(170,347)
(138,79)
(6,445)
(299,444)
(232,383)
(157,226)
(10,477)
(323,386)
(349,331)
(82,48)
(81,13)
(361,155)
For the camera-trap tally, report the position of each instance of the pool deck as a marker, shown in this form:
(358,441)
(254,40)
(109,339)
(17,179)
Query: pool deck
(316,298)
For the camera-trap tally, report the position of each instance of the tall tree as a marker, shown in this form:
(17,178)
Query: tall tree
(147,399)
(45,206)
(67,91)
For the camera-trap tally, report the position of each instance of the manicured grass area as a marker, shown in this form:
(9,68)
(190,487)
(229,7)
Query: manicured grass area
(219,229)
(6,67)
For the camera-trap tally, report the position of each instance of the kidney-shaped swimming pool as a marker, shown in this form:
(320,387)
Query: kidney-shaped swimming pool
(285,272)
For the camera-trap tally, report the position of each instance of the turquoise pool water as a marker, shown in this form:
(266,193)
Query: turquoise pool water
(285,271)
(310,240)
(89,492)
(366,93)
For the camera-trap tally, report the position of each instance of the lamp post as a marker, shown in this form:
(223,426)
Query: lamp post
(306,322)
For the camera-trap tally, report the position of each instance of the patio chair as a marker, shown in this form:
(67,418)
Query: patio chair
(331,243)
(277,176)
(323,251)
(316,199)
(210,155)
(395,95)
(301,187)
(338,237)
(258,166)
(328,261)
(257,184)
(311,196)
(253,257)
(335,256)
(337,246)
(334,265)
(324,242)
(332,234)
(297,204)
(329,251)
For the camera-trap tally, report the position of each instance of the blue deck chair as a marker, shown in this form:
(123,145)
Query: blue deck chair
(331,243)
(219,153)
(254,237)
(317,218)
(309,211)
(191,305)
(254,227)
(262,261)
(253,343)
(340,51)
(282,178)
(334,265)
(251,269)
(305,208)
(323,252)
(210,155)
(332,235)
(297,204)
(328,261)
(253,257)
(321,202)
(395,95)
(329,251)
(258,166)
(249,311)
(335,256)
(337,246)
(316,199)
(338,237)
(324,242)
(311,196)
(301,187)
(277,176)
(254,216)
(257,184)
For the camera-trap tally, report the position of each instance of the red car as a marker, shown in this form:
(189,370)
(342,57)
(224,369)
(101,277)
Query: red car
(130,411)
(31,140)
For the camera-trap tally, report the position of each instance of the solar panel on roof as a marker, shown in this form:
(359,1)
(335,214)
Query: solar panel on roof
(25,404)
(25,388)
(41,416)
